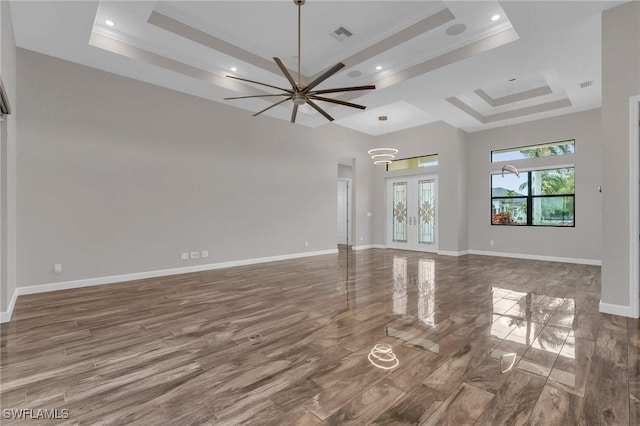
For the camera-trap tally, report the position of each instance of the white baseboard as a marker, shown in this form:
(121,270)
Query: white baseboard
(66,285)
(594,262)
(610,308)
(6,315)
(452,253)
(369,246)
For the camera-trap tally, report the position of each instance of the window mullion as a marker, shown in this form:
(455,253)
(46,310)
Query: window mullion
(529,200)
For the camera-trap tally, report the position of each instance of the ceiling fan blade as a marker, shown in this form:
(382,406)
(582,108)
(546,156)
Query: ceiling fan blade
(286,73)
(271,106)
(262,84)
(256,96)
(320,110)
(294,113)
(325,75)
(337,101)
(342,89)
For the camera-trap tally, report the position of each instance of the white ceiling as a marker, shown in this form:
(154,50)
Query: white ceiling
(426,76)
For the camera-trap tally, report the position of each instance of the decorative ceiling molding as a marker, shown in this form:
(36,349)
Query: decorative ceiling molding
(122,47)
(534,109)
(472,49)
(127,50)
(421,27)
(183,30)
(521,96)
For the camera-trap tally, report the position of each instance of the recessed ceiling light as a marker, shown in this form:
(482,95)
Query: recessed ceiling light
(495,17)
(109,22)
(234,69)
(379,67)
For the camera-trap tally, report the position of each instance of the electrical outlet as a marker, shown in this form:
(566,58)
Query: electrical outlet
(306,243)
(491,243)
(204,253)
(361,238)
(195,255)
(184,255)
(57,268)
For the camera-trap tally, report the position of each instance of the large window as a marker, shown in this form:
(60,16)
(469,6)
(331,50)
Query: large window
(535,198)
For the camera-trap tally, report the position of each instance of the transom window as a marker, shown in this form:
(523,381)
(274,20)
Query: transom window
(551,149)
(414,163)
(535,198)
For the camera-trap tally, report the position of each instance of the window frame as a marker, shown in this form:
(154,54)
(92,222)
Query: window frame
(529,198)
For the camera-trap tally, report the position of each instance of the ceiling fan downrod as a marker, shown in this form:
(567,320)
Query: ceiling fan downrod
(299,3)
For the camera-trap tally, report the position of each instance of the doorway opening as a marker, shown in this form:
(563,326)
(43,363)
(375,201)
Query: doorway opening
(345,204)
(344,211)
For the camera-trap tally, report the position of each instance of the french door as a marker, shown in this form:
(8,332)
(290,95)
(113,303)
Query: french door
(412,213)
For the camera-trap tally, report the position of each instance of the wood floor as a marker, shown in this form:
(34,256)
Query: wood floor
(290,343)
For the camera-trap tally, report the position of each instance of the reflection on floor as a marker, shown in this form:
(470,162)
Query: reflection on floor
(459,341)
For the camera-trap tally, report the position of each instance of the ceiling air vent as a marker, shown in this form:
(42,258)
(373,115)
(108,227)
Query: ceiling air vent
(586,84)
(341,34)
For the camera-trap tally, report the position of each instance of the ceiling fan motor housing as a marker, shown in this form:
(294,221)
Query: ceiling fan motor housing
(298,2)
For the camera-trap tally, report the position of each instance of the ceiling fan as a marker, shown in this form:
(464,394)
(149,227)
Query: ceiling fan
(300,94)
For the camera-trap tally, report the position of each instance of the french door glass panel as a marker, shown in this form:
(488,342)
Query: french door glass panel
(399,212)
(411,213)
(426,212)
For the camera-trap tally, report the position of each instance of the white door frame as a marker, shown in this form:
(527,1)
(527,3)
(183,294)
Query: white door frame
(387,229)
(634,207)
(349,210)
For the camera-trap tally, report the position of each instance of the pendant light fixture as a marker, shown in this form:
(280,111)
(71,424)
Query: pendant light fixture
(382,156)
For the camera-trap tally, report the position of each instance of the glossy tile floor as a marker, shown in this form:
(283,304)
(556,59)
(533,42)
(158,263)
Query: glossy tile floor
(476,340)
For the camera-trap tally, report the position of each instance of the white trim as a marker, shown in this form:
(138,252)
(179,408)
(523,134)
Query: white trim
(610,308)
(634,214)
(595,262)
(349,210)
(65,285)
(6,315)
(453,253)
(369,246)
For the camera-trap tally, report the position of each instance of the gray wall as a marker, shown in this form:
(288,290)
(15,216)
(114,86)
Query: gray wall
(8,140)
(620,80)
(449,143)
(117,176)
(582,242)
(345,172)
